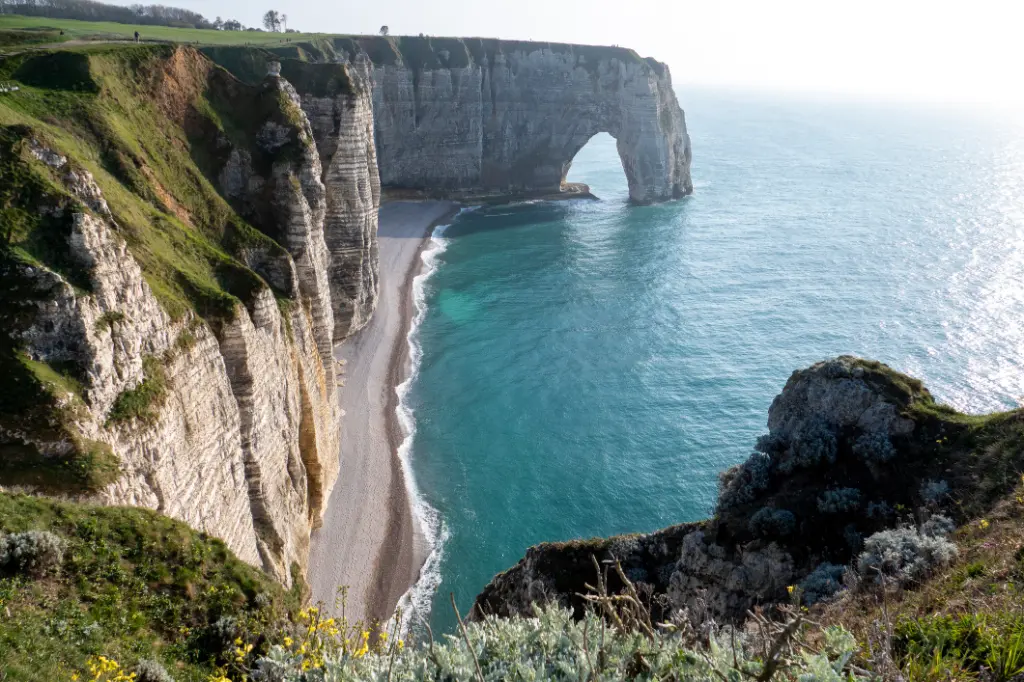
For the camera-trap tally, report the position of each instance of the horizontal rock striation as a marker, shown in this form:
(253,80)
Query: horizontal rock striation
(227,416)
(340,114)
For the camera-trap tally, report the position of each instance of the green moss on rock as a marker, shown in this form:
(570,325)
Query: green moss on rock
(143,401)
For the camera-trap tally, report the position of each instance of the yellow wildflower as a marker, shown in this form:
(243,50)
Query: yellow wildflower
(288,641)
(984,524)
(790,589)
(401,644)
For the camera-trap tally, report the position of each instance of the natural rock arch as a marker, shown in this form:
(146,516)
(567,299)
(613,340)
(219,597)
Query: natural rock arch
(510,118)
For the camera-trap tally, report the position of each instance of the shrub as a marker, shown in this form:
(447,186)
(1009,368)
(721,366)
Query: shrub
(905,554)
(839,501)
(823,582)
(934,492)
(35,552)
(772,523)
(551,646)
(769,443)
(938,526)
(813,446)
(741,484)
(880,510)
(874,447)
(147,670)
(854,538)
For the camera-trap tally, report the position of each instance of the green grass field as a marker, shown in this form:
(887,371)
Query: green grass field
(101,30)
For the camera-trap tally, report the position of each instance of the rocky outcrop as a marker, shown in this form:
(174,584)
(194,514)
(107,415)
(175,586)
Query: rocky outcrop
(853,448)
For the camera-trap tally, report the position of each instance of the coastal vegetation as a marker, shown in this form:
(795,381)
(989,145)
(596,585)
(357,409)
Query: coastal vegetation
(80,582)
(103,592)
(933,593)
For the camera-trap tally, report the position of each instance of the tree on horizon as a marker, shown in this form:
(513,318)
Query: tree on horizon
(272,21)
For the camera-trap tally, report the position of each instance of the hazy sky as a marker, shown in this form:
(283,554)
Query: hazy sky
(970,50)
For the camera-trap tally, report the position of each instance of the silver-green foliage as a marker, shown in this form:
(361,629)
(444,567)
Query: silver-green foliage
(839,501)
(35,552)
(906,554)
(742,483)
(151,671)
(552,646)
(772,523)
(823,582)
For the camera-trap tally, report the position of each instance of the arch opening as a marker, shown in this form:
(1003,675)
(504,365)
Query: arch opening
(598,166)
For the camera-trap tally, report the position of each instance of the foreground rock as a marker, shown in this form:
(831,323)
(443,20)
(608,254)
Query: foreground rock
(853,448)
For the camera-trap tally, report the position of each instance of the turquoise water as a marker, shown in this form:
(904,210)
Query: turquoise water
(588,368)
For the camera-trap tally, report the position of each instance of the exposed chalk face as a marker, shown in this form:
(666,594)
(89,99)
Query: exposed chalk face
(342,125)
(512,122)
(244,444)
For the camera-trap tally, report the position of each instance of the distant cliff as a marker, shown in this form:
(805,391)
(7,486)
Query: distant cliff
(474,118)
(181,252)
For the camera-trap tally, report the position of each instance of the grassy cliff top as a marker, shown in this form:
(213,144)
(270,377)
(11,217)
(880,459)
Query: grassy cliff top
(418,52)
(143,121)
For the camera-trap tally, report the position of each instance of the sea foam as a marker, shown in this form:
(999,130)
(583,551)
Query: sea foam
(415,604)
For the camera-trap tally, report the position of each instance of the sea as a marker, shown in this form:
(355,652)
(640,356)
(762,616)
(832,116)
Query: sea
(587,368)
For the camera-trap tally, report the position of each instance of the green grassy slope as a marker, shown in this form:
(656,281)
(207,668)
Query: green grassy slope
(133,584)
(418,52)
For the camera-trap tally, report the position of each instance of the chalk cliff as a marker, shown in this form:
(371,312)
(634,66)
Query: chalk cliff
(493,117)
(476,118)
(178,355)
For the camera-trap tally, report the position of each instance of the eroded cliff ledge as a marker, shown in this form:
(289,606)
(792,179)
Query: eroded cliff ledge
(853,448)
(476,118)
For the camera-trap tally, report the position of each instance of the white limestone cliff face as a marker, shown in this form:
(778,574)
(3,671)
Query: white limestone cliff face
(511,116)
(342,125)
(243,442)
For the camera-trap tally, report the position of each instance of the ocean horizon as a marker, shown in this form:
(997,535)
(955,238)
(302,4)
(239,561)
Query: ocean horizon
(587,368)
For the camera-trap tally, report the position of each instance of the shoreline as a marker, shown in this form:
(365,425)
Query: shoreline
(389,588)
(370,540)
